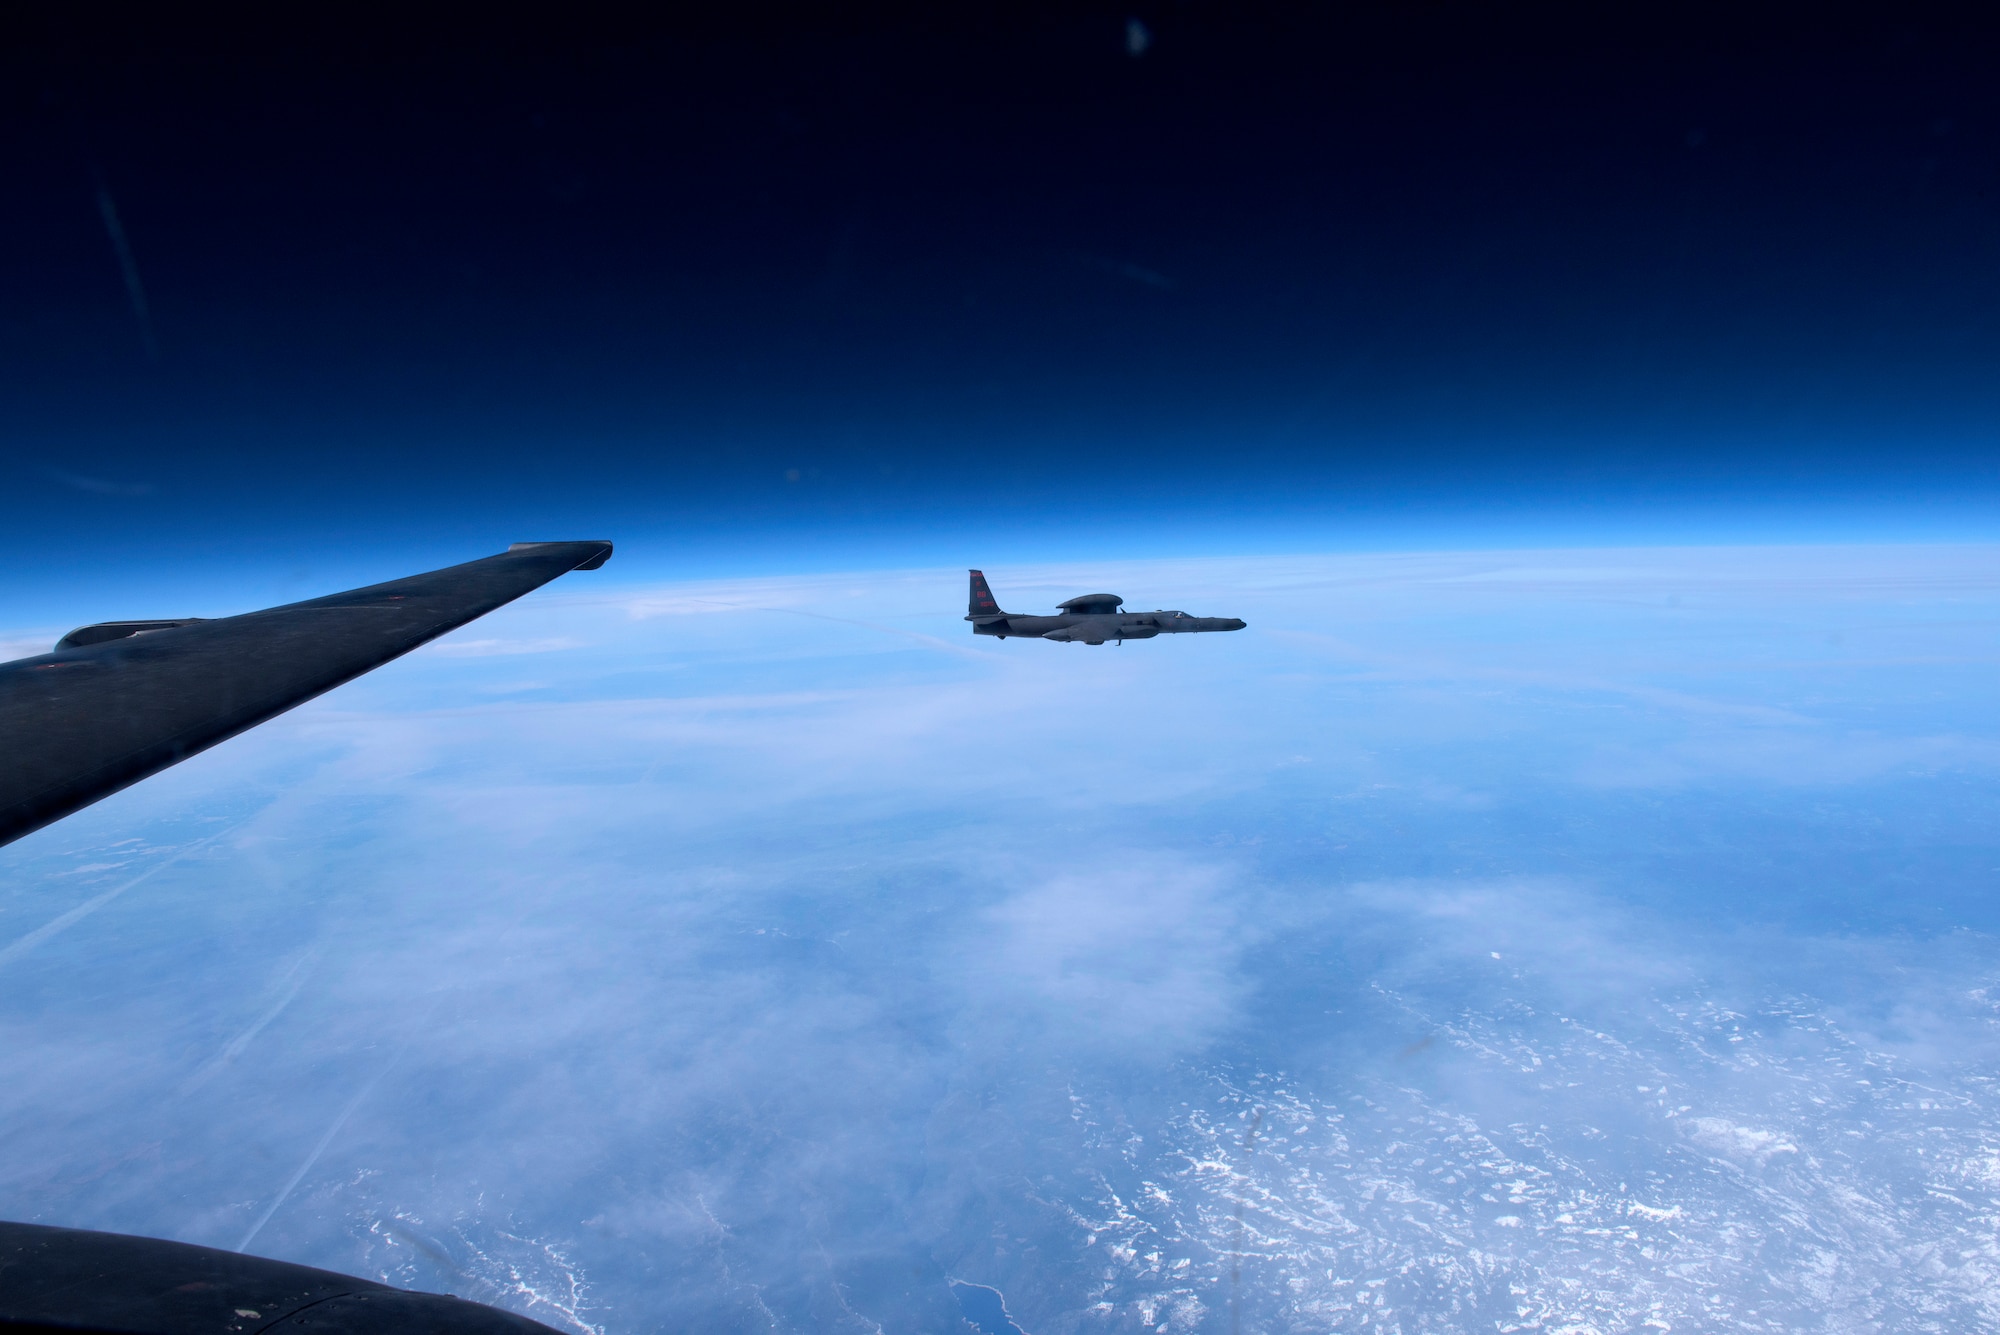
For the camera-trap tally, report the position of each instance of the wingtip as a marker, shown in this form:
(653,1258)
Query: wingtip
(592,563)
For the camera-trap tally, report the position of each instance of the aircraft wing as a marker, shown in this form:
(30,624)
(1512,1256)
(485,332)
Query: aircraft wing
(68,1281)
(119,701)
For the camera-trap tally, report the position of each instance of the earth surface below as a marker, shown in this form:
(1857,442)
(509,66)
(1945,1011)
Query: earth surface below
(1579,941)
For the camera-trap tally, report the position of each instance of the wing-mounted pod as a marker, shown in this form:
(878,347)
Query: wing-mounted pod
(104,631)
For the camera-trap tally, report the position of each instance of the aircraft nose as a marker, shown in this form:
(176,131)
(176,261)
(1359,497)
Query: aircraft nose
(1234,623)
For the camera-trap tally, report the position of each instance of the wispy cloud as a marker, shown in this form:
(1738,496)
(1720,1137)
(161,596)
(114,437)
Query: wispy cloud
(1119,950)
(27,646)
(494,648)
(97,486)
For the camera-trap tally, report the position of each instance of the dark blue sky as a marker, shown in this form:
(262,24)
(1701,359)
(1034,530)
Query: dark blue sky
(763,291)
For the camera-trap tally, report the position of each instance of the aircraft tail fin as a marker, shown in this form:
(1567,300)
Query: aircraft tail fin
(981,605)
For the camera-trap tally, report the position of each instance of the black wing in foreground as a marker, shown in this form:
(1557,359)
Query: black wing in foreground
(122,700)
(67,1280)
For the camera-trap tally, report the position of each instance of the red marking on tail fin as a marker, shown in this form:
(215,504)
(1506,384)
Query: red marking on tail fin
(981,601)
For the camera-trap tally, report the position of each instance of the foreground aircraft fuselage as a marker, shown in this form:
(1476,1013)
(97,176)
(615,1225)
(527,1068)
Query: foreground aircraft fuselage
(1090,619)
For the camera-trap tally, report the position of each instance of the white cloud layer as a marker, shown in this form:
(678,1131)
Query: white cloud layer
(1479,941)
(1121,951)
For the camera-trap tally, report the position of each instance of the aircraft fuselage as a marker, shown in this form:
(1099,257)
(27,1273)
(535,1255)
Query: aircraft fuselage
(1091,619)
(1098,629)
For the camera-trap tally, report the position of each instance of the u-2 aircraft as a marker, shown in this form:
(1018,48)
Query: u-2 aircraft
(1090,618)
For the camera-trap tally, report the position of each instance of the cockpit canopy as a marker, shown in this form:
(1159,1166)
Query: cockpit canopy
(1093,604)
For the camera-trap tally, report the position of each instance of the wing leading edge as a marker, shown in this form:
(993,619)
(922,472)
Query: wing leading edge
(128,699)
